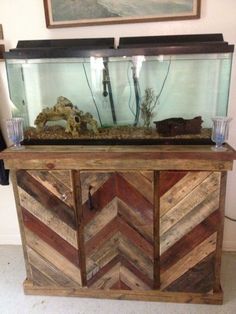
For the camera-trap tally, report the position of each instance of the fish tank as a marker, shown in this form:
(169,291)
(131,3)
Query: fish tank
(145,90)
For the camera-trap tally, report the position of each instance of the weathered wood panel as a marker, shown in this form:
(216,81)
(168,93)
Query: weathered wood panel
(118,230)
(122,163)
(189,223)
(50,227)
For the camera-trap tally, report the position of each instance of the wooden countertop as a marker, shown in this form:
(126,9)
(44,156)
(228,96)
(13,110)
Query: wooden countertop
(153,157)
(124,151)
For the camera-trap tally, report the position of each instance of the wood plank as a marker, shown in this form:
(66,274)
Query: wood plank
(156,231)
(100,220)
(99,199)
(135,256)
(98,258)
(170,178)
(105,163)
(148,295)
(185,183)
(115,225)
(220,227)
(126,263)
(94,180)
(46,198)
(102,271)
(190,201)
(148,175)
(131,280)
(63,176)
(188,242)
(108,279)
(136,221)
(99,152)
(50,237)
(189,222)
(135,237)
(55,186)
(134,199)
(54,276)
(188,261)
(51,255)
(40,279)
(77,200)
(101,237)
(120,285)
(197,279)
(48,218)
(140,183)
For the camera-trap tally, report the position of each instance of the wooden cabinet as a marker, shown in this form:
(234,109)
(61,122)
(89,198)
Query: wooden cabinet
(118,229)
(134,223)
(50,227)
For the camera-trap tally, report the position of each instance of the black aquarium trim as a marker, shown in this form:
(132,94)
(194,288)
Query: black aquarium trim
(128,46)
(108,142)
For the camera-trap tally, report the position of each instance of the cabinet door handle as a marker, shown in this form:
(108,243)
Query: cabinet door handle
(90,199)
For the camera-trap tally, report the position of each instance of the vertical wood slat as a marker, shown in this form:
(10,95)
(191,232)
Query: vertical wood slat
(77,196)
(156,230)
(219,241)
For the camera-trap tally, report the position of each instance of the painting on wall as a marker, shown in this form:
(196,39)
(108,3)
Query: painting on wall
(68,13)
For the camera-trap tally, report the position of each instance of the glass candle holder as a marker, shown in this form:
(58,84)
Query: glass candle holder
(220,132)
(15,132)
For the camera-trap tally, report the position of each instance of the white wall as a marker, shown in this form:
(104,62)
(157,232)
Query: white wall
(24,19)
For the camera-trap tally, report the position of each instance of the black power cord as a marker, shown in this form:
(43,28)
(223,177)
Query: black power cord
(229,218)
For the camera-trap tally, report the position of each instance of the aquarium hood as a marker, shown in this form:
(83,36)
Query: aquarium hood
(105,47)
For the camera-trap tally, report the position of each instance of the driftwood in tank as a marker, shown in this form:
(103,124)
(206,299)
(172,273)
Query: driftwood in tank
(179,126)
(77,122)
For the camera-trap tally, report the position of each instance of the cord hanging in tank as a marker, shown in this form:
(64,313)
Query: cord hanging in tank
(107,84)
(137,63)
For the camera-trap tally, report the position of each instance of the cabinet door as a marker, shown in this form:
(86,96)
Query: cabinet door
(49,227)
(189,224)
(118,229)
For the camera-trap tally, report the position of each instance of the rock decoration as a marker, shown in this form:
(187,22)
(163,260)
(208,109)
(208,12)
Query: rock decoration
(77,122)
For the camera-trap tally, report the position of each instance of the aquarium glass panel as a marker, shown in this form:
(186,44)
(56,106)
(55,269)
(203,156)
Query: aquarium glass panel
(122,92)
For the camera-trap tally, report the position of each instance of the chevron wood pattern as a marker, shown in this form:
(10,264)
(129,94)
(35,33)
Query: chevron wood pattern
(117,223)
(118,229)
(189,222)
(50,228)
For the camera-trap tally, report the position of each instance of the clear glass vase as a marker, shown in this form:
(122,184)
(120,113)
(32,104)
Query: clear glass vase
(220,132)
(15,132)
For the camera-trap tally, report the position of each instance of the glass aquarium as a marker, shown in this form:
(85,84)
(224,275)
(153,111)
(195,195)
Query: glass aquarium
(162,89)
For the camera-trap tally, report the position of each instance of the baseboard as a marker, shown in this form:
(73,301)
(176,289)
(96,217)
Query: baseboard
(229,246)
(11,239)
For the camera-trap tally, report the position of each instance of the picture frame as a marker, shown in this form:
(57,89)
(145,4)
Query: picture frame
(2,47)
(70,13)
(1,32)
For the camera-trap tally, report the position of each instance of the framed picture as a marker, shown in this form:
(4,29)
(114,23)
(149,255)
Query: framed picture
(1,32)
(68,13)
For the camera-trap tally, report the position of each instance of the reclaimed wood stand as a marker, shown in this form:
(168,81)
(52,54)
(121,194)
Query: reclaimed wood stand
(123,222)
